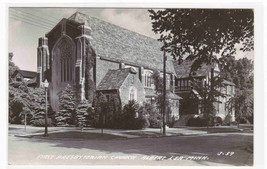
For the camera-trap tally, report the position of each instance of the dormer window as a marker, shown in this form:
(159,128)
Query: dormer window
(18,79)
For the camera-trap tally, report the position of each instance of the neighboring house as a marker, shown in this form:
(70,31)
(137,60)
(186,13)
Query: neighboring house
(82,50)
(192,99)
(227,88)
(26,76)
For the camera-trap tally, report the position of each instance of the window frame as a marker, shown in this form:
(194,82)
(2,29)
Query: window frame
(148,78)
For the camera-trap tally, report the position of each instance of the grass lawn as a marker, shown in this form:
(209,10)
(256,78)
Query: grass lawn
(217,129)
(82,135)
(145,133)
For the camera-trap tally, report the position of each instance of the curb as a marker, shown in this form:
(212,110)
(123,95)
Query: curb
(124,136)
(24,136)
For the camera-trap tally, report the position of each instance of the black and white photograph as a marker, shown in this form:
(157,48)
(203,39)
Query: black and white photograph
(130,86)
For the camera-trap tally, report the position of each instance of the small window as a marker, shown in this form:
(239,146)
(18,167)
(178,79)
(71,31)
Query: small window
(132,93)
(179,83)
(18,79)
(132,79)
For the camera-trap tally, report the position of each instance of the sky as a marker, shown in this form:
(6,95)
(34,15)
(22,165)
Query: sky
(26,25)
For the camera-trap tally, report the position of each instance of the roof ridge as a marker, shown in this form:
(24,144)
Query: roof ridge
(27,71)
(89,16)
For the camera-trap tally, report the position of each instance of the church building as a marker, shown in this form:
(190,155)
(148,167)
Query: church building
(95,56)
(90,54)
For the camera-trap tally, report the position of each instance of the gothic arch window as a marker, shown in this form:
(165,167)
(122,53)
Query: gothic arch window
(132,93)
(148,78)
(66,60)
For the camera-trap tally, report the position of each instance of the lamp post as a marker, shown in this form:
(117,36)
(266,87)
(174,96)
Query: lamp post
(46,84)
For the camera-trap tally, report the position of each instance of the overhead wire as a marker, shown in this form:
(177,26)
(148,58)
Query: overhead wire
(31,19)
(30,23)
(51,17)
(35,16)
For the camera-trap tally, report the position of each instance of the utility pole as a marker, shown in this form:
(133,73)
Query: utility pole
(164,90)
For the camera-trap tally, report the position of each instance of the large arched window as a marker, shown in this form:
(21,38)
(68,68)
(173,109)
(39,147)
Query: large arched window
(132,93)
(66,61)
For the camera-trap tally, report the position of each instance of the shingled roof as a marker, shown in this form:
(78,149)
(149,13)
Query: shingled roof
(114,42)
(114,79)
(183,70)
(25,73)
(228,83)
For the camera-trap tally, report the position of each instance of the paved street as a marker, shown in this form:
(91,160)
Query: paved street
(207,149)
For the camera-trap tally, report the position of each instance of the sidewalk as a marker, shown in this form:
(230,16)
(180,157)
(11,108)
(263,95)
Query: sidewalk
(31,131)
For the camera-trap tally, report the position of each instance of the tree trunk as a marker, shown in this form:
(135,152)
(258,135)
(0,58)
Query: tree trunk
(81,128)
(238,121)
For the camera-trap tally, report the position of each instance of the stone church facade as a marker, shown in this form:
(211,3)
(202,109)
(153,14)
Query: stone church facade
(95,56)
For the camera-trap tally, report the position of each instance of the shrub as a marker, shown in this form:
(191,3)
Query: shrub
(234,123)
(129,119)
(228,119)
(244,120)
(171,123)
(152,113)
(41,122)
(197,122)
(141,123)
(154,123)
(217,121)
(82,113)
(66,114)
(92,117)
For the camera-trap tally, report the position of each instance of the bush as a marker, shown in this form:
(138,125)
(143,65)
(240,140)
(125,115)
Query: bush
(244,120)
(141,123)
(92,117)
(217,121)
(129,119)
(171,123)
(227,120)
(155,123)
(41,122)
(197,122)
(153,115)
(234,123)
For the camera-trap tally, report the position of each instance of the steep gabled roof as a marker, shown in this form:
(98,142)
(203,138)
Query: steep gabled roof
(114,79)
(114,42)
(183,70)
(228,83)
(174,96)
(25,74)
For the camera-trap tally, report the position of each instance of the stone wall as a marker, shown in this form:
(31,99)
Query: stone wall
(125,88)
